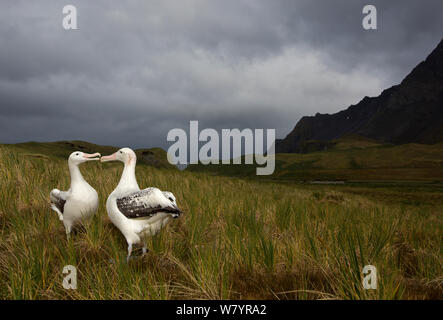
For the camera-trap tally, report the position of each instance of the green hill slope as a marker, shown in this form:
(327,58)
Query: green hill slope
(349,158)
(155,157)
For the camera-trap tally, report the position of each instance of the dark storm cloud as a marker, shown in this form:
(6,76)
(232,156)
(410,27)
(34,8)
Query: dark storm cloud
(407,32)
(136,69)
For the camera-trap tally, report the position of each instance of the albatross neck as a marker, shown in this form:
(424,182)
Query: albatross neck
(76,176)
(128,181)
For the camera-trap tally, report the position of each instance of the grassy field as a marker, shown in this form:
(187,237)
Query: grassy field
(237,238)
(349,159)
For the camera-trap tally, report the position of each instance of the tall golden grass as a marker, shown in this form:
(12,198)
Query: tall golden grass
(237,239)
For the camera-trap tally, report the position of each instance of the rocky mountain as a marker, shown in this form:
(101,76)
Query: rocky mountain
(409,112)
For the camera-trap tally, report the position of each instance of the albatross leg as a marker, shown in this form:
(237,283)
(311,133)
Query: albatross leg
(144,249)
(129,252)
(68,230)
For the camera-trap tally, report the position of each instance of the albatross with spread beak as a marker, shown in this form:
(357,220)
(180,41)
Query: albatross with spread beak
(81,200)
(137,213)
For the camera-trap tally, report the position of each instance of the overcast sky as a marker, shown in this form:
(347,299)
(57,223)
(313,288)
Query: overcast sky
(136,69)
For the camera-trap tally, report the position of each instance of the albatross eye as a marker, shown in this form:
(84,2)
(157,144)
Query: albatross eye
(171,199)
(121,151)
(76,154)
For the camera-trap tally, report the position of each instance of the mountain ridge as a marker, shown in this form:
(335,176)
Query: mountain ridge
(411,111)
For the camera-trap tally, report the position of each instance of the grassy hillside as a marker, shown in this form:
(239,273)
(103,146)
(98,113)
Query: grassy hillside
(237,239)
(349,159)
(62,149)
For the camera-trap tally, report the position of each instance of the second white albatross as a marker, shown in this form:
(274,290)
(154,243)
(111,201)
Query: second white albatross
(137,213)
(81,200)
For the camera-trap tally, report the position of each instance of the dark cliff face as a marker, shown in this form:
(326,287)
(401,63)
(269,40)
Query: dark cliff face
(409,112)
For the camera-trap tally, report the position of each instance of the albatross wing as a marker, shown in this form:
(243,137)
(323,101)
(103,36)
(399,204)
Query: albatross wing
(146,203)
(58,200)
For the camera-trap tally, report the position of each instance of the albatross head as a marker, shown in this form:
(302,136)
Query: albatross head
(125,155)
(170,197)
(78,157)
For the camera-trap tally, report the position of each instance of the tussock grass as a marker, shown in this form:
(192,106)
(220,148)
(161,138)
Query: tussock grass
(237,239)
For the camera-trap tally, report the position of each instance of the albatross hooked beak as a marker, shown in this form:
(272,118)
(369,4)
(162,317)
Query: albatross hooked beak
(91,156)
(112,157)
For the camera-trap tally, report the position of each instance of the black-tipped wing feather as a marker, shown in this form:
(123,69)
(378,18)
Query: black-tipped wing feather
(57,199)
(145,203)
(60,204)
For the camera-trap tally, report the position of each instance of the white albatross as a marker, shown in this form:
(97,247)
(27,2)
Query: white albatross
(137,213)
(81,200)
